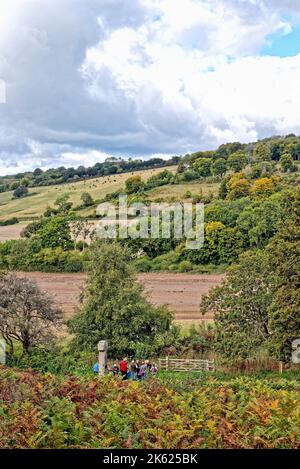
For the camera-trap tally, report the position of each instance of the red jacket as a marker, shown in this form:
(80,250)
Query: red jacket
(123,366)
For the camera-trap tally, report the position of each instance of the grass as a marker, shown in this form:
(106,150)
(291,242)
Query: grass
(39,198)
(178,191)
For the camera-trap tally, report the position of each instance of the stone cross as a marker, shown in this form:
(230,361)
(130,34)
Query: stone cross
(2,352)
(296,351)
(102,357)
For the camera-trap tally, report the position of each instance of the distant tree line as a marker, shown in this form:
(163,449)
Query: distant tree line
(61,175)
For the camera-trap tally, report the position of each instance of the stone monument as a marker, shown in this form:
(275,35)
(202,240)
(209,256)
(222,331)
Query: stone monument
(102,357)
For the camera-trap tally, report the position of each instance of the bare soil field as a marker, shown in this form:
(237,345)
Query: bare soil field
(180,292)
(11,232)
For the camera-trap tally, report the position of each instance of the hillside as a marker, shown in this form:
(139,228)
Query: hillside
(39,198)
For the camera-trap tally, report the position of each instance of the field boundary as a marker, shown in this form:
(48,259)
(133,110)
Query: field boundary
(186,364)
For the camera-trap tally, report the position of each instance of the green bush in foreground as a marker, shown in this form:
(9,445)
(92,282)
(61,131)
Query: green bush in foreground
(46,411)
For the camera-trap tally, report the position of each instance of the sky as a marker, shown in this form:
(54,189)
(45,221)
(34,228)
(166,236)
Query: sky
(87,79)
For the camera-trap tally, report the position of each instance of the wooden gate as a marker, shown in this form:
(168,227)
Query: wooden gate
(186,364)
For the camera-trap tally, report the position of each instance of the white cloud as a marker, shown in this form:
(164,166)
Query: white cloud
(92,78)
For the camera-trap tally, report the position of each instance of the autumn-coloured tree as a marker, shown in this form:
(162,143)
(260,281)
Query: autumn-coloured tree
(134,184)
(263,187)
(238,186)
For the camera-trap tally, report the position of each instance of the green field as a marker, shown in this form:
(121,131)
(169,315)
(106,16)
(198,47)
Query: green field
(178,191)
(41,197)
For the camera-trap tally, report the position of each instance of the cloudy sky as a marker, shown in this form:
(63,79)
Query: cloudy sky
(90,78)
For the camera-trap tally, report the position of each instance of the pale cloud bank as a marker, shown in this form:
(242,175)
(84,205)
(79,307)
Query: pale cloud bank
(87,79)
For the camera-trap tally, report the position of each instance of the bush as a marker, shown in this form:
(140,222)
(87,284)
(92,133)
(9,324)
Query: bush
(10,221)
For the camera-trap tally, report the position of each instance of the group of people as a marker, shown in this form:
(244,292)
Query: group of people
(134,370)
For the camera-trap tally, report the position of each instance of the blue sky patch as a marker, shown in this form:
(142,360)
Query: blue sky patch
(283,46)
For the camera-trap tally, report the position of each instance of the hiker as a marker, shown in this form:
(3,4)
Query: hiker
(149,366)
(138,370)
(143,371)
(115,369)
(154,369)
(124,368)
(133,368)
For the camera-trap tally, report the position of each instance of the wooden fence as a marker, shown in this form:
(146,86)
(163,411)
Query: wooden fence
(186,364)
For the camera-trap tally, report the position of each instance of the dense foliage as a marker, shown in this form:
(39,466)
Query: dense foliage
(45,411)
(257,306)
(114,306)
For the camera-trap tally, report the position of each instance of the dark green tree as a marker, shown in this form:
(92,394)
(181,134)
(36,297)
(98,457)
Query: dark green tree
(55,233)
(63,204)
(240,306)
(115,308)
(87,199)
(237,161)
(21,191)
(219,167)
(284,253)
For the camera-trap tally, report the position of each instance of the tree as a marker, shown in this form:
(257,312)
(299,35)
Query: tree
(114,307)
(63,205)
(223,190)
(284,254)
(55,233)
(87,231)
(263,187)
(238,186)
(227,149)
(287,162)
(237,161)
(87,199)
(25,182)
(76,227)
(256,171)
(30,229)
(213,231)
(219,167)
(134,184)
(27,315)
(14,185)
(240,306)
(259,221)
(21,191)
(37,172)
(203,166)
(262,152)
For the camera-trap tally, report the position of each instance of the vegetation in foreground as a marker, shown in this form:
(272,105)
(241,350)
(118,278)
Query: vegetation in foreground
(47,411)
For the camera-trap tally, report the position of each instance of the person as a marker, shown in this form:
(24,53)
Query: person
(133,370)
(138,370)
(154,369)
(143,370)
(124,368)
(148,365)
(96,368)
(115,369)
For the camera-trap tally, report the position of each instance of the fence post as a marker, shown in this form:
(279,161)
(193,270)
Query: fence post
(167,363)
(280,367)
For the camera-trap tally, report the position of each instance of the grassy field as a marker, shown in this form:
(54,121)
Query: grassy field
(178,191)
(41,197)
